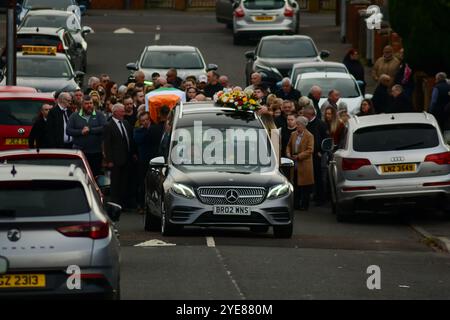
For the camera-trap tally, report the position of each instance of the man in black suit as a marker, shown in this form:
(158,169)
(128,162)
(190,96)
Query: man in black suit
(119,152)
(320,132)
(57,121)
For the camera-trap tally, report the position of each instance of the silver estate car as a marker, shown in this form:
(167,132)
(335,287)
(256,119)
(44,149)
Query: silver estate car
(387,161)
(255,17)
(52,226)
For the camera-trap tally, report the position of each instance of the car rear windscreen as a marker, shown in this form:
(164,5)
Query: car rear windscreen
(347,87)
(395,137)
(37,40)
(39,198)
(279,49)
(19,112)
(46,22)
(263,4)
(177,60)
(50,4)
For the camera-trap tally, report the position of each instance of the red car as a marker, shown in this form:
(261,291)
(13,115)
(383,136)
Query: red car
(16,89)
(17,112)
(50,157)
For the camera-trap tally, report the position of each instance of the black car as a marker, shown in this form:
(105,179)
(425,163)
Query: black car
(277,54)
(220,171)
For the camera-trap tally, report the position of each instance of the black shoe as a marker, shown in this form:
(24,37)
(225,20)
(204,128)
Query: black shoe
(303,209)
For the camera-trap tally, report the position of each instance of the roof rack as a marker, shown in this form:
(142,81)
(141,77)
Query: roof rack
(356,119)
(427,115)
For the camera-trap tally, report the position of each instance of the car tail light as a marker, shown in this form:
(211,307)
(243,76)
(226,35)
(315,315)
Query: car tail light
(349,164)
(92,276)
(60,48)
(358,189)
(437,184)
(93,230)
(288,12)
(239,12)
(439,158)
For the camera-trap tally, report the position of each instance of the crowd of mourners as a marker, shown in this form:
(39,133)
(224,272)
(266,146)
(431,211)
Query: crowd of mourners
(110,124)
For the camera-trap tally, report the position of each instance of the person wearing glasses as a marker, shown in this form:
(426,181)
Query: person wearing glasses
(38,135)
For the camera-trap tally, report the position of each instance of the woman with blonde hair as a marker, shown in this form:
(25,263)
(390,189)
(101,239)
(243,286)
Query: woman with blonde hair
(336,127)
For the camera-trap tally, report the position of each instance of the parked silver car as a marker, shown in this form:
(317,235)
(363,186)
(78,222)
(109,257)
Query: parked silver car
(320,66)
(254,17)
(187,60)
(390,160)
(52,225)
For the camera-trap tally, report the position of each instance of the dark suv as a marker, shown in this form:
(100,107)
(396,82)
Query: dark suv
(221,171)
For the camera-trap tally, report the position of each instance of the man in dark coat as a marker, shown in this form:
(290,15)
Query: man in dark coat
(287,91)
(318,128)
(57,121)
(400,102)
(39,136)
(119,152)
(381,98)
(440,99)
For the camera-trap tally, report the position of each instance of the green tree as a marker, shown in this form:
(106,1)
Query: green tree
(425,30)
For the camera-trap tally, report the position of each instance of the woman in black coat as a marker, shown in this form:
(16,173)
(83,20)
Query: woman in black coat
(38,136)
(355,67)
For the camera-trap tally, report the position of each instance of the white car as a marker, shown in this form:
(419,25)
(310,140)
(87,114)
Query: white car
(345,83)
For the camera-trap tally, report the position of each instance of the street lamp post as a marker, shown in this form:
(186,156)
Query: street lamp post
(11,44)
(10,6)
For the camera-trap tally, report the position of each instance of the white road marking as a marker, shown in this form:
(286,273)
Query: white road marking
(229,274)
(155,243)
(158,27)
(210,242)
(157,37)
(124,31)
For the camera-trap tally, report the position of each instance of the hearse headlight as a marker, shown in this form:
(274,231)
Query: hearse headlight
(279,191)
(183,190)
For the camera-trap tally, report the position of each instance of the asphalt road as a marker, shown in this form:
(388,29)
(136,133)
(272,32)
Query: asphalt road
(323,260)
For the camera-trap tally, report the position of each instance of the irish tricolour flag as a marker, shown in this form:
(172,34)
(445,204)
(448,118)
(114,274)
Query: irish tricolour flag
(155,99)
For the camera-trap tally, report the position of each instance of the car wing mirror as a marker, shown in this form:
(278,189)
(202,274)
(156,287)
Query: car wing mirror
(113,210)
(250,55)
(211,67)
(132,66)
(286,163)
(87,30)
(103,181)
(328,145)
(158,162)
(324,54)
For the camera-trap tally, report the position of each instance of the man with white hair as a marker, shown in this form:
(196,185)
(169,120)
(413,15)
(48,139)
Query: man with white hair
(319,130)
(440,99)
(93,83)
(139,77)
(315,94)
(255,80)
(119,150)
(57,121)
(287,91)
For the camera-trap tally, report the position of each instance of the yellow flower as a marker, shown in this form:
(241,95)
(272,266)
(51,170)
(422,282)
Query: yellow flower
(252,101)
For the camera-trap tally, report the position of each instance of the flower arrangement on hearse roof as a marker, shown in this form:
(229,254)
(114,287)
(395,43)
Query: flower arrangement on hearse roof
(237,99)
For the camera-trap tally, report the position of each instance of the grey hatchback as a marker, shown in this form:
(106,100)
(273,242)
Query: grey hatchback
(249,17)
(55,236)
